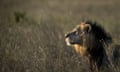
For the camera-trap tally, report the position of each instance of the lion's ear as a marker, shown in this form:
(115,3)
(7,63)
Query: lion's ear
(88,27)
(85,27)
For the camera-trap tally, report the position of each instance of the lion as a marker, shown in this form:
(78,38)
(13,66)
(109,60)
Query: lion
(88,40)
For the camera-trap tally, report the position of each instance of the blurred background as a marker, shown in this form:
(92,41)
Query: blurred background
(32,33)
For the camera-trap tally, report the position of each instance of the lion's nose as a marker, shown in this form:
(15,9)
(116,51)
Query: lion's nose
(67,35)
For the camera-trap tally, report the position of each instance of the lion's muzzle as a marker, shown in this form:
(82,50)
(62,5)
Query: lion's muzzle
(67,40)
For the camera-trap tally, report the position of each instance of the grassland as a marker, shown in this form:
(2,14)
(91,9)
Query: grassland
(35,42)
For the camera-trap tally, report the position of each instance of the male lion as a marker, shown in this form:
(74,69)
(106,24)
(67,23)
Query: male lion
(89,39)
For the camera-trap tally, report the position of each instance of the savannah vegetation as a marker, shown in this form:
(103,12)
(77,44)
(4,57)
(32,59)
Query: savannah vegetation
(32,33)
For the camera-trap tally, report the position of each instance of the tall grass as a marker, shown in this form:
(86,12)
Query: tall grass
(34,41)
(28,46)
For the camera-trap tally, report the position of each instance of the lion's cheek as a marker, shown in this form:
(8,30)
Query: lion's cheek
(81,50)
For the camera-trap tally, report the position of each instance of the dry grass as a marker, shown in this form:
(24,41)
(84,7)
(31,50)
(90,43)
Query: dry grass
(36,42)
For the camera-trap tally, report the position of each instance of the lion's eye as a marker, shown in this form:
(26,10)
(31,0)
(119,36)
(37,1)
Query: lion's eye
(76,32)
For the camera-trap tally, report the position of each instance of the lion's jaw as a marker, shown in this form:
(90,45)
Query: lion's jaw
(82,50)
(67,40)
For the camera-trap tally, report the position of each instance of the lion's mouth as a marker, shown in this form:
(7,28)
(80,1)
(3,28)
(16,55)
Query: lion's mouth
(69,42)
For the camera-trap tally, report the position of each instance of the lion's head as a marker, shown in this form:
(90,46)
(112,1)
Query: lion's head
(82,35)
(81,38)
(86,36)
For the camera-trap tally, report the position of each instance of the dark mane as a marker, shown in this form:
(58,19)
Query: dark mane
(99,32)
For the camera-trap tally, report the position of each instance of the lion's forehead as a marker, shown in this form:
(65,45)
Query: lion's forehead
(80,26)
(76,28)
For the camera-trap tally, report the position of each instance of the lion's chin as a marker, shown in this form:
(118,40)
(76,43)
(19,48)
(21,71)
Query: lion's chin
(68,42)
